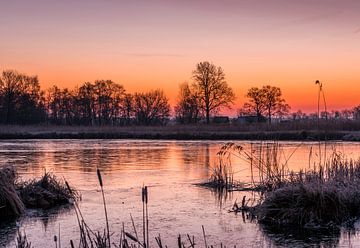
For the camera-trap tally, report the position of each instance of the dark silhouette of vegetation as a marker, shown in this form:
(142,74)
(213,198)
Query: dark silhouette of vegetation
(45,192)
(266,101)
(10,202)
(106,103)
(323,197)
(211,88)
(187,109)
(21,100)
(356,113)
(151,108)
(100,103)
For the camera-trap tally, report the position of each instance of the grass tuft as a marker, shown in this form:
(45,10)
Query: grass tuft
(46,192)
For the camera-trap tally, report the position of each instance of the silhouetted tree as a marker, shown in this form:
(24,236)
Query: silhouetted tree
(54,105)
(68,110)
(187,109)
(356,112)
(274,103)
(211,88)
(85,102)
(299,115)
(256,104)
(346,114)
(151,108)
(21,100)
(266,101)
(108,97)
(62,108)
(126,109)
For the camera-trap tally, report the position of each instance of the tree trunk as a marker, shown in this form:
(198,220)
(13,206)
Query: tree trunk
(207,115)
(269,116)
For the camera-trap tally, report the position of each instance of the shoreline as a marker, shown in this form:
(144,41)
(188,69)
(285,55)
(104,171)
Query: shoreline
(218,132)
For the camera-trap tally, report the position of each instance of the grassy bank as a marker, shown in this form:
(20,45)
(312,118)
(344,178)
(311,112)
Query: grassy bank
(326,195)
(176,132)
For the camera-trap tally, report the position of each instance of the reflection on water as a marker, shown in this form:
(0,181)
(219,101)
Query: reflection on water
(170,169)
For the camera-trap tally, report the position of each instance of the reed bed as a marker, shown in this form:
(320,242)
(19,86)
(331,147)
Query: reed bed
(45,192)
(10,203)
(327,196)
(268,167)
(222,175)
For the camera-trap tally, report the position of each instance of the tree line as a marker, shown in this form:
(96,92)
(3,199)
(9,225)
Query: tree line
(104,102)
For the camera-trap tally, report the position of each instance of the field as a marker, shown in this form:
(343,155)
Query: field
(281,131)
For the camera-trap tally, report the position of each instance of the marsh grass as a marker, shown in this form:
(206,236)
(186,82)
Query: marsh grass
(45,192)
(222,176)
(327,195)
(21,240)
(10,203)
(267,162)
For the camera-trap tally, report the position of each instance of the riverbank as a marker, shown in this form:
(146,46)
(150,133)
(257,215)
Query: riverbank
(177,132)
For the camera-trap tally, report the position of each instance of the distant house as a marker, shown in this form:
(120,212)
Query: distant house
(221,119)
(246,119)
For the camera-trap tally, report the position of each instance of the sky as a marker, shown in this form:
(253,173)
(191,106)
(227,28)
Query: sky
(150,44)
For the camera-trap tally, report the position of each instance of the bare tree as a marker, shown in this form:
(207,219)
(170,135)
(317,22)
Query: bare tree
(54,104)
(151,107)
(21,99)
(85,101)
(126,109)
(256,104)
(266,101)
(187,109)
(356,113)
(211,88)
(273,101)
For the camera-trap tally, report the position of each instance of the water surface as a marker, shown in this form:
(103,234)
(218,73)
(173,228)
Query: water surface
(176,205)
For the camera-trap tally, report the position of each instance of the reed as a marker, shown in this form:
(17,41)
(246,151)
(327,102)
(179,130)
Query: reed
(91,239)
(222,175)
(45,192)
(11,204)
(105,209)
(267,162)
(21,240)
(326,196)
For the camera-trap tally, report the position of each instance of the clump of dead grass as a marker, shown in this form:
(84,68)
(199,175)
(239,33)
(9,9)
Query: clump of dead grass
(10,202)
(46,192)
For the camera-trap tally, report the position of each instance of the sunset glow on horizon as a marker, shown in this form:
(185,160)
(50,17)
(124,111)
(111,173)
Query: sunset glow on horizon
(147,45)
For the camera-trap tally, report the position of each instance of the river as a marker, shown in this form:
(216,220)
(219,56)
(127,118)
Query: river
(176,205)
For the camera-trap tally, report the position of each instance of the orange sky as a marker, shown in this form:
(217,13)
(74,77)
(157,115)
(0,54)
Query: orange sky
(156,44)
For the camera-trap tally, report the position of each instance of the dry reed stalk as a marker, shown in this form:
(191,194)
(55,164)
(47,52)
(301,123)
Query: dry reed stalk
(21,240)
(143,206)
(205,242)
(104,203)
(10,202)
